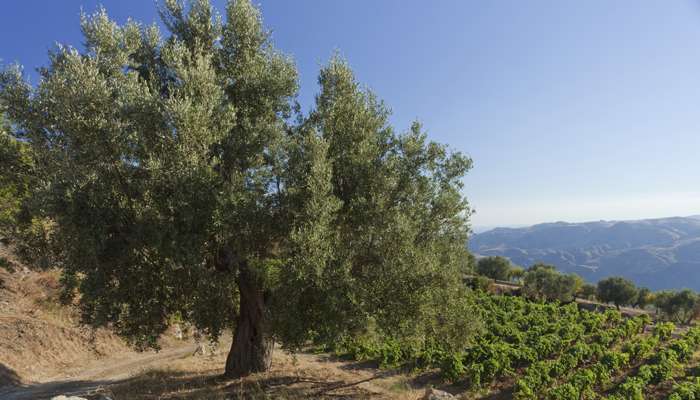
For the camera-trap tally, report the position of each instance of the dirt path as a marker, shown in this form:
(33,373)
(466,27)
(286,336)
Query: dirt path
(95,376)
(176,374)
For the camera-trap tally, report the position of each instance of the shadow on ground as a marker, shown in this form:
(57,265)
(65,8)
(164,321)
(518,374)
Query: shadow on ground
(211,385)
(415,380)
(47,390)
(159,384)
(8,377)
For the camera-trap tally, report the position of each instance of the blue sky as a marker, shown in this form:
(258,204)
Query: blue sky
(572,110)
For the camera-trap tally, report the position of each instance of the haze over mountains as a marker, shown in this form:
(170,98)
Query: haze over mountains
(659,253)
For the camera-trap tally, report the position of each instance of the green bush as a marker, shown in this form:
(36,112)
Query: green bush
(664,330)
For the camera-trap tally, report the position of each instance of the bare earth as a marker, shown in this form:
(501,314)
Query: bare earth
(178,374)
(95,377)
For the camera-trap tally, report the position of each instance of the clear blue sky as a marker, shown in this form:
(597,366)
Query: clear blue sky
(572,110)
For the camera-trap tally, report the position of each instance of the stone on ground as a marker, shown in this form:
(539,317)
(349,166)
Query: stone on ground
(434,394)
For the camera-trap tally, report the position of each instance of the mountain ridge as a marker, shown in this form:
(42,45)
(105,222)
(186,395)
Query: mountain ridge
(661,253)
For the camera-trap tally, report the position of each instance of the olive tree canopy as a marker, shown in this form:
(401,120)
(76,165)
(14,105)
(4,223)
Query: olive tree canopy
(495,267)
(544,282)
(181,185)
(617,290)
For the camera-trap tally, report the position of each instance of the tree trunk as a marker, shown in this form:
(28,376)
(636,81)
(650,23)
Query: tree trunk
(251,350)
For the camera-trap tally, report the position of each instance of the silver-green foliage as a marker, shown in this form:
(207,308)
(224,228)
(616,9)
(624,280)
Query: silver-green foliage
(170,164)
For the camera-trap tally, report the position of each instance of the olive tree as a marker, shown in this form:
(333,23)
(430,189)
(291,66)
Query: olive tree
(28,234)
(181,185)
(13,179)
(516,274)
(495,267)
(544,282)
(677,306)
(644,297)
(617,290)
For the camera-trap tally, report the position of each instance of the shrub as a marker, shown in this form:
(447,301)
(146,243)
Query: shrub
(494,267)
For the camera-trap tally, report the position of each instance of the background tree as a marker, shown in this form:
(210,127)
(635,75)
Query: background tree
(496,267)
(587,291)
(479,282)
(517,274)
(677,306)
(661,300)
(544,282)
(684,304)
(617,290)
(179,184)
(644,297)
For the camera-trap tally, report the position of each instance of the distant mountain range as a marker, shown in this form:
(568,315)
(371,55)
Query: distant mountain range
(659,253)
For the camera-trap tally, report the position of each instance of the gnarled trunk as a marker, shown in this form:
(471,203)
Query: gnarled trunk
(251,350)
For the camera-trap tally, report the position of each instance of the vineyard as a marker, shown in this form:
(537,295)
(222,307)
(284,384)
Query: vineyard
(535,350)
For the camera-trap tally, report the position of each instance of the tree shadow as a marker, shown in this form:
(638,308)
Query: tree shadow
(40,391)
(419,378)
(8,377)
(286,386)
(156,384)
(348,363)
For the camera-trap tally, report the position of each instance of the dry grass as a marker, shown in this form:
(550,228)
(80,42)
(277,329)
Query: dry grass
(39,338)
(292,377)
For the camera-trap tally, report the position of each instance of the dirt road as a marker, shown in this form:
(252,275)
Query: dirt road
(93,377)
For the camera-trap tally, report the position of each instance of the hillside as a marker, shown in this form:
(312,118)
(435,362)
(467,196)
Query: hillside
(42,340)
(658,253)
